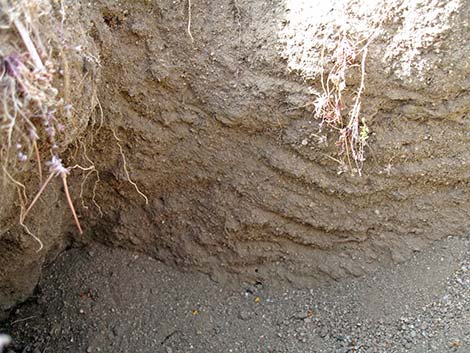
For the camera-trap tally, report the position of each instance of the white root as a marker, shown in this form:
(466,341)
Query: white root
(29,44)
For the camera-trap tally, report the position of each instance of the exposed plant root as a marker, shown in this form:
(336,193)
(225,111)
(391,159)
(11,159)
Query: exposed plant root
(29,44)
(189,21)
(329,106)
(93,199)
(38,160)
(22,195)
(38,195)
(21,191)
(126,170)
(359,129)
(90,170)
(69,201)
(101,113)
(31,111)
(27,88)
(31,234)
(55,169)
(95,185)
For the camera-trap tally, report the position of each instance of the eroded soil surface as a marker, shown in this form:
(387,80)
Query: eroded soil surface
(96,299)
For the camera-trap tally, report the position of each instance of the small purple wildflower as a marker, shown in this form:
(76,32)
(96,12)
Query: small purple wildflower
(56,167)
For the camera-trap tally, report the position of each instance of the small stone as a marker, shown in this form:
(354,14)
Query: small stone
(301,315)
(251,290)
(244,315)
(323,332)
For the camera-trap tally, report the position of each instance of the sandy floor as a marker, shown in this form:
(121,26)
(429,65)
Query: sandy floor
(101,300)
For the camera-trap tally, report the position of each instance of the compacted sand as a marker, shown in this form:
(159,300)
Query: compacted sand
(96,299)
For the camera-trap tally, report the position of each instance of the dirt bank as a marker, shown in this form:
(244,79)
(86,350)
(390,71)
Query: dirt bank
(219,134)
(215,124)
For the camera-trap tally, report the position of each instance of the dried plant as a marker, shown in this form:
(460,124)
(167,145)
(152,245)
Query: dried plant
(331,109)
(32,114)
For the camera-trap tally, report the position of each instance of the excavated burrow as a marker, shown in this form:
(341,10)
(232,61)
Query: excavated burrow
(218,132)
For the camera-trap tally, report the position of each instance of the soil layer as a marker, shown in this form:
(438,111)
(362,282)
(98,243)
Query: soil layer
(210,114)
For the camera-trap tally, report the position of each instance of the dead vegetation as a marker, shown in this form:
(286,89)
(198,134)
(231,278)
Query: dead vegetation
(331,109)
(37,119)
(34,116)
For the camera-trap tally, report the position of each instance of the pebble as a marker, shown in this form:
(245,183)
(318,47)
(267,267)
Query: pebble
(252,290)
(301,315)
(323,332)
(244,315)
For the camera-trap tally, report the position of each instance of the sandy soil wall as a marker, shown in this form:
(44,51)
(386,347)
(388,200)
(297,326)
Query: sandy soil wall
(217,126)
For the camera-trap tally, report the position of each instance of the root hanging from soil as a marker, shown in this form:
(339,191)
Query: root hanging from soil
(21,191)
(330,105)
(189,21)
(92,169)
(70,203)
(36,116)
(124,162)
(57,169)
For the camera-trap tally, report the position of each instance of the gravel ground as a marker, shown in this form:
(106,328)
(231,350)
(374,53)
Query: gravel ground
(97,299)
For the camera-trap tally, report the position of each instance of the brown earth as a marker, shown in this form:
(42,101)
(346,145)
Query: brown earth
(219,134)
